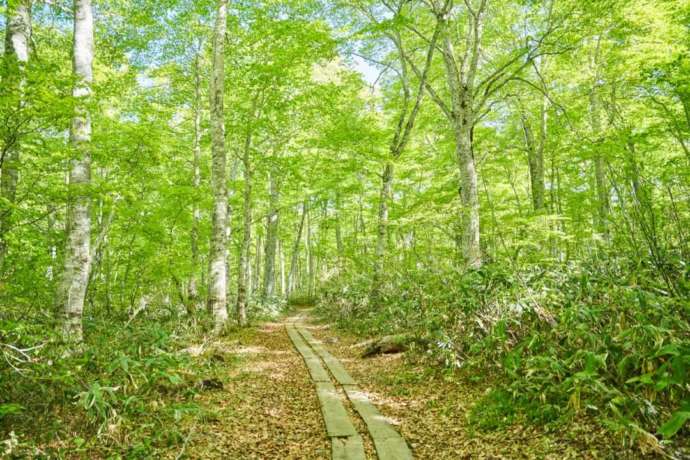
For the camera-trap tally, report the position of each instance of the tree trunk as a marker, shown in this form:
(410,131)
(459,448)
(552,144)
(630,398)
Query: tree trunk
(535,160)
(311,272)
(602,190)
(281,257)
(382,230)
(242,276)
(272,224)
(218,278)
(78,253)
(462,118)
(17,39)
(292,274)
(469,197)
(193,288)
(339,230)
(256,280)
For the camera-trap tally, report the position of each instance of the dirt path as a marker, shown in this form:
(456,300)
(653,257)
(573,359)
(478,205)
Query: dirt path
(298,390)
(267,408)
(346,441)
(287,397)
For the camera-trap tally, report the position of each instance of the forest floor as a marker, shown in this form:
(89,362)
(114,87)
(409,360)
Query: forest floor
(268,407)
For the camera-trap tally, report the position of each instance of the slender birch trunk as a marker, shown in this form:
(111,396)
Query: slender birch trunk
(257,265)
(242,276)
(602,190)
(281,258)
(311,272)
(78,253)
(218,278)
(338,229)
(382,229)
(463,118)
(193,289)
(272,223)
(17,39)
(228,227)
(535,160)
(292,274)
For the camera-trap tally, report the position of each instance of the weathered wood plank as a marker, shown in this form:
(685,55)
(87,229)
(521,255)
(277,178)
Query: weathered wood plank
(392,449)
(336,368)
(316,370)
(388,442)
(350,448)
(338,423)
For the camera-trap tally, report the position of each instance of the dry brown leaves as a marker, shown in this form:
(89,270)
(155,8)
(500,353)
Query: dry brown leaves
(268,408)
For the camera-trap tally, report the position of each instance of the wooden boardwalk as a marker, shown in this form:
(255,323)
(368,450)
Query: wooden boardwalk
(346,442)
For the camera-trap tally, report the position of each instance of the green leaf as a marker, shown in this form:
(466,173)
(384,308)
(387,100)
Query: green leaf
(674,424)
(10,408)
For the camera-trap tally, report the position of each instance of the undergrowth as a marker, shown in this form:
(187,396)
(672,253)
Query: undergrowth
(606,342)
(121,395)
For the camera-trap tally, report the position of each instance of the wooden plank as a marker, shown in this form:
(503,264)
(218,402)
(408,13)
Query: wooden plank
(338,423)
(350,448)
(316,370)
(392,449)
(377,424)
(388,442)
(336,368)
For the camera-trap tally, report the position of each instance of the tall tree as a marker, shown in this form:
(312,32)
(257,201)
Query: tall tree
(17,39)
(244,265)
(217,276)
(272,223)
(78,251)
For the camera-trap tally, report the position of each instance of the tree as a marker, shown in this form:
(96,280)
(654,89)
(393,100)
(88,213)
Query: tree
(78,251)
(218,277)
(17,39)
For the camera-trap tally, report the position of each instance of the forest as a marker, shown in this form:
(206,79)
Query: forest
(348,229)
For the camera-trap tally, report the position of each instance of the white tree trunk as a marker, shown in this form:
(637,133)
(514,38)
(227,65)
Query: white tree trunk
(460,85)
(17,39)
(272,223)
(78,253)
(281,257)
(243,276)
(293,273)
(218,278)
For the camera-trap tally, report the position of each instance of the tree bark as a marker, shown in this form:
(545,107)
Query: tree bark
(281,257)
(463,118)
(292,274)
(242,276)
(78,253)
(256,273)
(272,223)
(535,160)
(338,229)
(382,230)
(17,39)
(218,278)
(602,190)
(311,271)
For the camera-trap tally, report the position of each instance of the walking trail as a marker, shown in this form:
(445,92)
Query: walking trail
(296,390)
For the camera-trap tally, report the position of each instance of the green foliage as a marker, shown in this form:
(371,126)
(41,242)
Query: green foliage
(574,340)
(127,381)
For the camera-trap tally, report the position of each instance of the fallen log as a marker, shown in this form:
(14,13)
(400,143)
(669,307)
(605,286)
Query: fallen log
(389,344)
